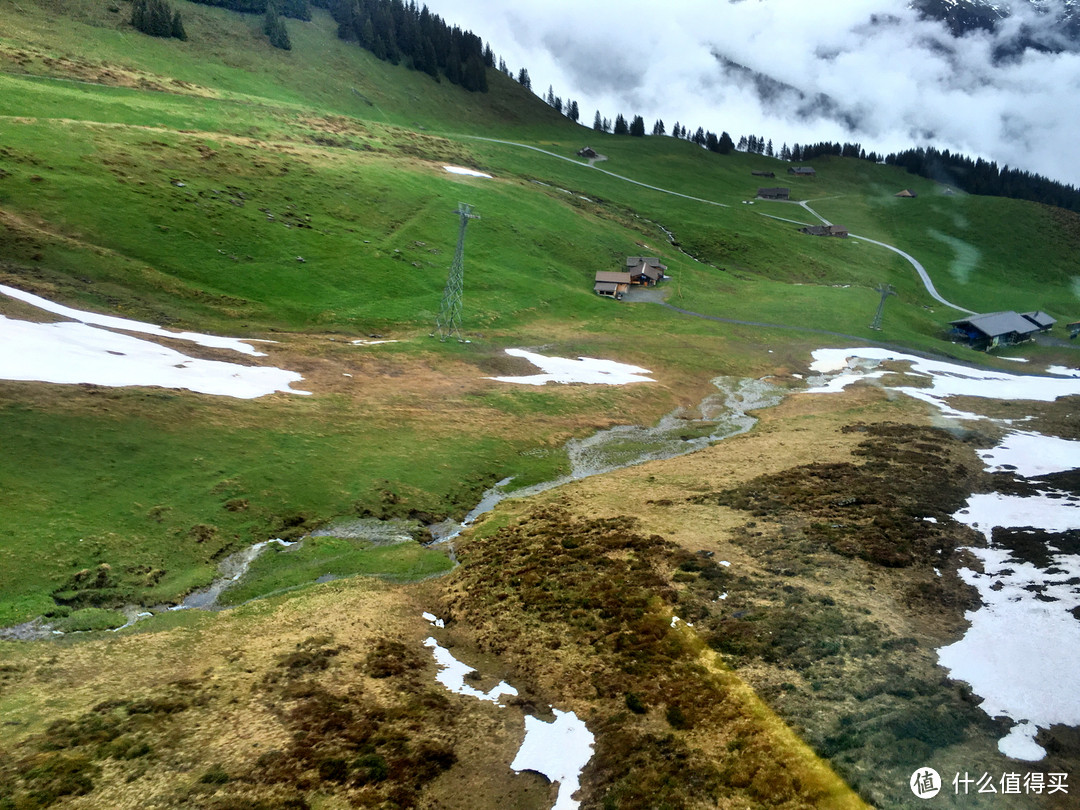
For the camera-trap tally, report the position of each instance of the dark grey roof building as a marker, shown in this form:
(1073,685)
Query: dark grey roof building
(996,328)
(774,193)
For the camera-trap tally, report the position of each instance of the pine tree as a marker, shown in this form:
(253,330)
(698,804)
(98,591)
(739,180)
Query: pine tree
(598,122)
(744,144)
(712,143)
(524,80)
(726,144)
(607,125)
(637,127)
(658,127)
(675,130)
(178,31)
(274,28)
(785,152)
(699,137)
(768,148)
(572,111)
(621,127)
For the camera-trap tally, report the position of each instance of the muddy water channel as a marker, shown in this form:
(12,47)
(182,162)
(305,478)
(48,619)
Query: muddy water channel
(720,415)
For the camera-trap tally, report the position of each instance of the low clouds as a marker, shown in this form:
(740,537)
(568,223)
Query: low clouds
(860,70)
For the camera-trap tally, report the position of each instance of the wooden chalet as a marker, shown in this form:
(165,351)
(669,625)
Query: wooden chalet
(802,171)
(825,230)
(613,285)
(587,152)
(774,193)
(645,270)
(1000,328)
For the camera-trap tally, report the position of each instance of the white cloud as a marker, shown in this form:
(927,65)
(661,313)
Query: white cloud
(895,81)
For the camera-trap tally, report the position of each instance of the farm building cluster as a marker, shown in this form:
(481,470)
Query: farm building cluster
(1000,328)
(640,271)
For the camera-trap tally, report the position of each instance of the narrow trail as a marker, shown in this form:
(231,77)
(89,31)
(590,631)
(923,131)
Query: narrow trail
(598,169)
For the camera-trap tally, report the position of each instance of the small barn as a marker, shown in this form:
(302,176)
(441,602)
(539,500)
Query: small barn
(774,193)
(1074,329)
(907,192)
(587,152)
(802,171)
(610,284)
(825,230)
(763,174)
(645,270)
(995,329)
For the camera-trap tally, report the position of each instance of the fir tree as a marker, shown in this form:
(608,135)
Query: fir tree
(274,28)
(524,80)
(598,122)
(178,31)
(572,111)
(725,145)
(621,127)
(637,127)
(658,127)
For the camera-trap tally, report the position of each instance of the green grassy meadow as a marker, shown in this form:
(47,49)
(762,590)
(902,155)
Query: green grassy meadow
(182,183)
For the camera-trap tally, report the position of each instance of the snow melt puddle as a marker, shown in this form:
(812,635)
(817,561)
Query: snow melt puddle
(582,370)
(558,750)
(466,172)
(84,350)
(719,416)
(1021,654)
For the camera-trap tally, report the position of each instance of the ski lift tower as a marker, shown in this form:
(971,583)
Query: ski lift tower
(886,290)
(448,323)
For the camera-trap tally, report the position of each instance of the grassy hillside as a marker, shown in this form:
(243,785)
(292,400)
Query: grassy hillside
(225,186)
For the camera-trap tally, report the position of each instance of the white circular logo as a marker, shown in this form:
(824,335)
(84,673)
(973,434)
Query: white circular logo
(925,783)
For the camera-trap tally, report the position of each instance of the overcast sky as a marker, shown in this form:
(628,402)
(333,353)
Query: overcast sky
(894,84)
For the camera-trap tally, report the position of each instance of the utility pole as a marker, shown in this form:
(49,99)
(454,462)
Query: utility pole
(448,323)
(886,290)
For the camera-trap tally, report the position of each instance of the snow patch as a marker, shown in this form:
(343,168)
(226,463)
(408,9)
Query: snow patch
(559,751)
(1032,454)
(466,172)
(70,353)
(1049,511)
(452,675)
(588,370)
(947,379)
(126,325)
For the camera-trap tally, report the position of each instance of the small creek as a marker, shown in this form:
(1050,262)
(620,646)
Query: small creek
(720,415)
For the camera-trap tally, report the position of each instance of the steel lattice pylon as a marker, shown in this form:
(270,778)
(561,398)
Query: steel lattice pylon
(448,323)
(886,290)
